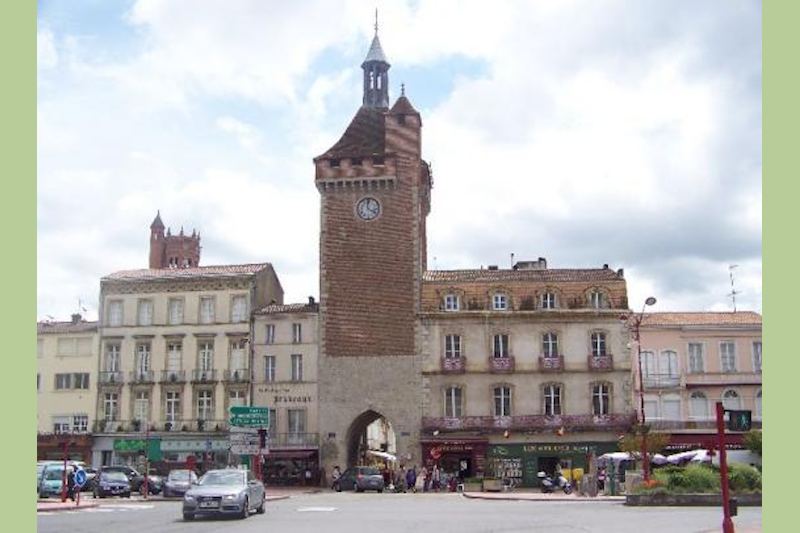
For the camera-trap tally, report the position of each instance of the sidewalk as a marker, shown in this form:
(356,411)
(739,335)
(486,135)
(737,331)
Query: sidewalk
(47,506)
(540,497)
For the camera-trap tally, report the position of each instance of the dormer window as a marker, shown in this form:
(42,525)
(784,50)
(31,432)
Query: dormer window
(500,302)
(451,302)
(597,300)
(549,300)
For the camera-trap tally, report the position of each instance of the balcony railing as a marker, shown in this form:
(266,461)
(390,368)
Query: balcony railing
(108,426)
(614,422)
(142,376)
(551,364)
(708,424)
(601,363)
(241,375)
(661,381)
(110,378)
(501,365)
(724,378)
(454,365)
(204,376)
(292,440)
(173,376)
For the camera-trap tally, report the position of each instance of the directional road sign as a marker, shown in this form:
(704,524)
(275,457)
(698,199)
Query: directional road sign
(244,449)
(80,477)
(249,416)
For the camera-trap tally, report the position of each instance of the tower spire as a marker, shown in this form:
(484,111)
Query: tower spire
(376,74)
(376,22)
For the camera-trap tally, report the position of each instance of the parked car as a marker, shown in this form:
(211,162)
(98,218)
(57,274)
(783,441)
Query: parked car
(40,466)
(178,482)
(111,483)
(231,491)
(91,475)
(52,476)
(134,477)
(359,479)
(155,483)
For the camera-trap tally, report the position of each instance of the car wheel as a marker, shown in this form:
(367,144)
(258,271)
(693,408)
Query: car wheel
(380,491)
(245,509)
(188,516)
(355,487)
(261,508)
(127,494)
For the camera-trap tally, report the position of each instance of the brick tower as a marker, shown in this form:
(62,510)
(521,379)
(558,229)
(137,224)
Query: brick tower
(375,197)
(172,251)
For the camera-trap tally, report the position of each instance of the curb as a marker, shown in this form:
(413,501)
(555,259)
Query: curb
(66,508)
(521,498)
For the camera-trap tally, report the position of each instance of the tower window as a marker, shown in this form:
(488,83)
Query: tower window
(335,163)
(357,161)
(377,161)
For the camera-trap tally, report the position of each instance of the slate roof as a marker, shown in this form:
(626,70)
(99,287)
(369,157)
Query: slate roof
(550,275)
(375,52)
(288,308)
(365,136)
(65,327)
(214,271)
(740,318)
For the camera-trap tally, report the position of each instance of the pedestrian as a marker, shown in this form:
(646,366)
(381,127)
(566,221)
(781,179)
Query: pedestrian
(601,479)
(420,486)
(411,479)
(308,476)
(400,479)
(436,478)
(335,476)
(71,484)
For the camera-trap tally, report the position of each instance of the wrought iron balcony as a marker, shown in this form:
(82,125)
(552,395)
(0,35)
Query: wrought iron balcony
(551,364)
(724,378)
(661,381)
(241,375)
(142,376)
(205,425)
(173,376)
(111,378)
(601,363)
(454,365)
(292,440)
(614,422)
(109,426)
(708,424)
(204,376)
(501,365)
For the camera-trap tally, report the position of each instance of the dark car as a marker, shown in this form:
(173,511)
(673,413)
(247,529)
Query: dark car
(155,483)
(111,483)
(91,476)
(359,479)
(134,477)
(231,491)
(179,482)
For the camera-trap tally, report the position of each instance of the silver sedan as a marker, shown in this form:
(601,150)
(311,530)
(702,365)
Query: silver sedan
(225,492)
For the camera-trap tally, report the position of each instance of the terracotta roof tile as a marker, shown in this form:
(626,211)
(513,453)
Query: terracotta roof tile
(550,275)
(365,136)
(739,318)
(403,107)
(214,271)
(288,308)
(65,327)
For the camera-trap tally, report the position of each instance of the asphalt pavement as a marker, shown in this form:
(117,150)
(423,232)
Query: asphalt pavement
(330,512)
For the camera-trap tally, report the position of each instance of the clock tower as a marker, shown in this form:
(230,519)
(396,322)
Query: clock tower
(375,197)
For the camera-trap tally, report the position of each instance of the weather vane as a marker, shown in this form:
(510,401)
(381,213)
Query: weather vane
(376,21)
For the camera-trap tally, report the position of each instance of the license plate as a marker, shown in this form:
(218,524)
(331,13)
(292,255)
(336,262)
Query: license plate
(209,504)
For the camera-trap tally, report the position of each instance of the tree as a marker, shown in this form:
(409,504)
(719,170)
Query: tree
(752,440)
(656,442)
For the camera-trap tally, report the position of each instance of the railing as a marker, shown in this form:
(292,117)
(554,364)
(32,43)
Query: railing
(204,376)
(454,365)
(661,381)
(293,440)
(237,376)
(108,426)
(551,364)
(726,378)
(205,425)
(501,365)
(601,363)
(142,376)
(708,424)
(173,376)
(614,422)
(110,378)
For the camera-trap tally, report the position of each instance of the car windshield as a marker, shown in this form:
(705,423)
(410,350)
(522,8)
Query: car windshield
(179,475)
(54,473)
(222,477)
(369,471)
(113,476)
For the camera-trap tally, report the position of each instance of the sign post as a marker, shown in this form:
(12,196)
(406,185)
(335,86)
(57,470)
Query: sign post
(79,481)
(727,523)
(255,418)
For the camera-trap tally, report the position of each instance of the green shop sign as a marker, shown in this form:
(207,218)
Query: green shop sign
(137,446)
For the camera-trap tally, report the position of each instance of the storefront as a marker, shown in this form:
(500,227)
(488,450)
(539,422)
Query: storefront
(292,468)
(131,451)
(521,462)
(463,457)
(51,447)
(679,442)
(203,452)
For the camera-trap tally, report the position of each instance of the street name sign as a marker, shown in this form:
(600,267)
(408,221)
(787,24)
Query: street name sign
(251,416)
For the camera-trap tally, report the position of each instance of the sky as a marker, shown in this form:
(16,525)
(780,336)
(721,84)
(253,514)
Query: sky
(588,132)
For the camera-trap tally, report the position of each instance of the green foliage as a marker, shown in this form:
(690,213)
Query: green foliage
(689,479)
(752,440)
(744,478)
(656,442)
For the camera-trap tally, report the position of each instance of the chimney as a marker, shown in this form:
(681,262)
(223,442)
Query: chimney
(605,266)
(311,300)
(541,264)
(492,267)
(621,272)
(76,318)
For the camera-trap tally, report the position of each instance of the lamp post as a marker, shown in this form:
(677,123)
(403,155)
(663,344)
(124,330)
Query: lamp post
(634,322)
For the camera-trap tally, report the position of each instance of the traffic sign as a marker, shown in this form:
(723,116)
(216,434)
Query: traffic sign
(79,477)
(244,449)
(248,410)
(249,416)
(739,420)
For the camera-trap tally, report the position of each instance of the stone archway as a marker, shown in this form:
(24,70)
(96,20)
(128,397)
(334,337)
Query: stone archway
(369,430)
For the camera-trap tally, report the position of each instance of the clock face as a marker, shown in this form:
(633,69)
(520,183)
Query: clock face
(368,208)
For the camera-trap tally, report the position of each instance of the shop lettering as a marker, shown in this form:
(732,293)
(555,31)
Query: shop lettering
(557,448)
(292,399)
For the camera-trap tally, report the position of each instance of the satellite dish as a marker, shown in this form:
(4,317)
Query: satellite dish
(650,301)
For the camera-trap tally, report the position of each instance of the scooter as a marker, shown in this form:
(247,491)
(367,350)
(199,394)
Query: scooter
(550,485)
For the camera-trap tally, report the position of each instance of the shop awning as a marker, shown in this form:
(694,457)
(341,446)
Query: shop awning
(291,454)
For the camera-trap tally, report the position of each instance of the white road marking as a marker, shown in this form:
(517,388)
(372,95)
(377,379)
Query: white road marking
(315,509)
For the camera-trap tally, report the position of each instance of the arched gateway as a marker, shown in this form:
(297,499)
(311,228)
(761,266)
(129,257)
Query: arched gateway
(370,437)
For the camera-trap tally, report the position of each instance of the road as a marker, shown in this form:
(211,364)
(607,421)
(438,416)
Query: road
(400,513)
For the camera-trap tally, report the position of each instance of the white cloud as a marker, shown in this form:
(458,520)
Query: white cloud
(46,54)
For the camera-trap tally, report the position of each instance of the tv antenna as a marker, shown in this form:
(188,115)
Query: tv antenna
(733,292)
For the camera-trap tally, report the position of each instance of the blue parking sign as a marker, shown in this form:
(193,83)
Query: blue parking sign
(80,477)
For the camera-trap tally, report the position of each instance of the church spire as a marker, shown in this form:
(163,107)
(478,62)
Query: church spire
(376,74)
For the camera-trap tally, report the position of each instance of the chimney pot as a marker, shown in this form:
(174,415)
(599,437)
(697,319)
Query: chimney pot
(76,318)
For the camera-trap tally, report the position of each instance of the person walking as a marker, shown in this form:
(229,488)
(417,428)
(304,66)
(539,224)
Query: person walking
(71,484)
(335,477)
(400,479)
(411,479)
(436,478)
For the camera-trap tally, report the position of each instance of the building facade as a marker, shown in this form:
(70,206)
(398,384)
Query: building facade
(285,363)
(524,368)
(66,387)
(690,361)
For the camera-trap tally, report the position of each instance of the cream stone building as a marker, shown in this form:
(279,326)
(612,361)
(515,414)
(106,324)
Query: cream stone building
(285,363)
(66,387)
(174,356)
(690,361)
(523,369)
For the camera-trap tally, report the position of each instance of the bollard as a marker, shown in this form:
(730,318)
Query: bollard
(734,506)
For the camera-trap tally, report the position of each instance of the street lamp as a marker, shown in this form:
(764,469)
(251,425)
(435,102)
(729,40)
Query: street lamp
(633,322)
